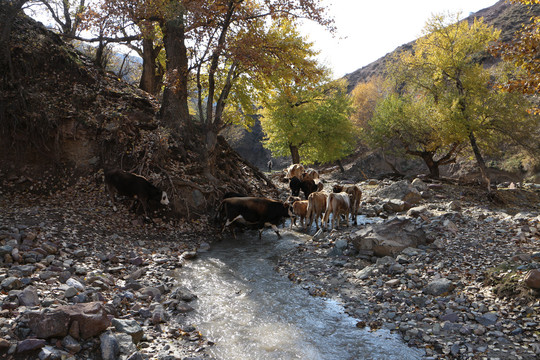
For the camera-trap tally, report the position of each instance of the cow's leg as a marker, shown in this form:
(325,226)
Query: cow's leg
(274,227)
(325,219)
(110,190)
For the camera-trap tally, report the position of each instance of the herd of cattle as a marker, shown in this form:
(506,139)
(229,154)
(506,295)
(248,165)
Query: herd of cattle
(258,212)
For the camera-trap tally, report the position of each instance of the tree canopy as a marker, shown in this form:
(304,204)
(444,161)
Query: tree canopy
(310,123)
(444,97)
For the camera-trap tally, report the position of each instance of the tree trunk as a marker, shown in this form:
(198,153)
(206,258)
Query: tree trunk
(480,161)
(295,155)
(148,76)
(432,165)
(174,110)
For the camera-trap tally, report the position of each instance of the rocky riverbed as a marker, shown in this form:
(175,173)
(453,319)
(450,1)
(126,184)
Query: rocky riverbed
(81,281)
(450,280)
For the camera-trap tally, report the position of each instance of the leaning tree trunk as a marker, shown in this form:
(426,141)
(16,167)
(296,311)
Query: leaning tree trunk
(148,76)
(295,154)
(174,108)
(432,165)
(480,161)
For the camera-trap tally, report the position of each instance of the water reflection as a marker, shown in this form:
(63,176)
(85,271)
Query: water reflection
(251,312)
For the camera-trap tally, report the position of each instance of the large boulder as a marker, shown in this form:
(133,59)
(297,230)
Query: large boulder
(401,190)
(390,237)
(89,319)
(532,279)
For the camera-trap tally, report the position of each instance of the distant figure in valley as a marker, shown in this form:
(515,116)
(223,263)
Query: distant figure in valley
(270,164)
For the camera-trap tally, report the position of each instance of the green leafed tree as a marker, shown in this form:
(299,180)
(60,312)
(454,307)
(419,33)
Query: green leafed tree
(311,124)
(411,125)
(452,94)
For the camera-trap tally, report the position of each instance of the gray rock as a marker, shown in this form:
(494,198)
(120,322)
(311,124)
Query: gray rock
(24,270)
(5,250)
(452,317)
(110,349)
(91,319)
(402,190)
(151,292)
(439,287)
(393,282)
(419,185)
(70,292)
(390,237)
(341,244)
(30,345)
(365,273)
(125,343)
(46,274)
(130,327)
(159,315)
(416,211)
(394,205)
(487,319)
(11,283)
(28,297)
(71,345)
(397,268)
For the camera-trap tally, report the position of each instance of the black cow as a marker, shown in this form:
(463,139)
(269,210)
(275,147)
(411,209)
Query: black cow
(133,186)
(307,186)
(254,212)
(295,184)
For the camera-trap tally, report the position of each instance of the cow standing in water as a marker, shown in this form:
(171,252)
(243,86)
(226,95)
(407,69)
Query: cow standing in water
(254,212)
(135,187)
(355,195)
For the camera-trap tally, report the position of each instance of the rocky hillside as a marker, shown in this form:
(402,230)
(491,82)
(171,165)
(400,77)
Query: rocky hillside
(503,15)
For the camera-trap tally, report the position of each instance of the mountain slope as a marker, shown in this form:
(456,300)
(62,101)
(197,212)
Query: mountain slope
(504,16)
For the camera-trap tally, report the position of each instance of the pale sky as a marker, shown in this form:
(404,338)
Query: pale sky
(368,29)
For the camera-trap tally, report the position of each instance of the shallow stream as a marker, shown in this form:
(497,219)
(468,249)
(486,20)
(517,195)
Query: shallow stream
(251,312)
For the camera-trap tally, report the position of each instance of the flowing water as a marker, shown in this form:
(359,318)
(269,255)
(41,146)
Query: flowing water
(251,312)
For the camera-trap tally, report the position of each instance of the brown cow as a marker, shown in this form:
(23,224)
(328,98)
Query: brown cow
(299,209)
(316,208)
(310,174)
(337,204)
(254,212)
(355,195)
(295,170)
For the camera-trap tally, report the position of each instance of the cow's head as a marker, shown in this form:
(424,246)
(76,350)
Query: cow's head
(289,210)
(164,198)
